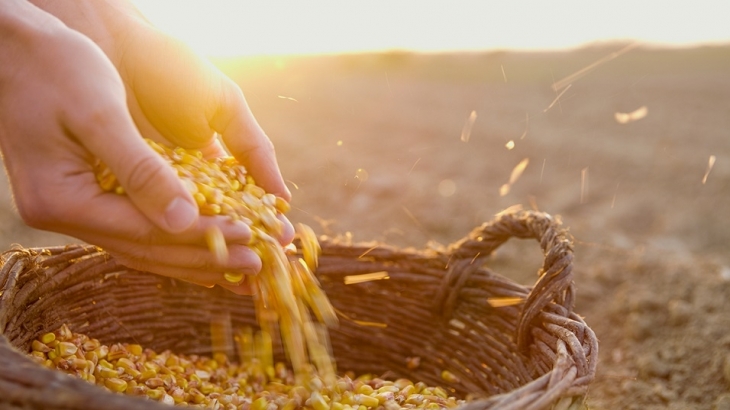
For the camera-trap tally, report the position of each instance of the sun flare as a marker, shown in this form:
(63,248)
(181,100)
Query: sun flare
(225,28)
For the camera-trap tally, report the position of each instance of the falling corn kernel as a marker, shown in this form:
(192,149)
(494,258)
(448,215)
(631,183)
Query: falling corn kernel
(233,277)
(449,377)
(222,186)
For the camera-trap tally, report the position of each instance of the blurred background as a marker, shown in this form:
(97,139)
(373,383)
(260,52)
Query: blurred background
(405,121)
(413,122)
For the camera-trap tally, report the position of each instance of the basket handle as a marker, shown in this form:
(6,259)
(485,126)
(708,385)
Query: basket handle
(555,282)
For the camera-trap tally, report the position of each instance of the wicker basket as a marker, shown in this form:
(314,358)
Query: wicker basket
(535,355)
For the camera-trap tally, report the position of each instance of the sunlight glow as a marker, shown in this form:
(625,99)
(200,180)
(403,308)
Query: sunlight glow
(223,28)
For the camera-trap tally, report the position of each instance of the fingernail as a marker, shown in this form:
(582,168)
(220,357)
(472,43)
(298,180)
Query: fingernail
(180,214)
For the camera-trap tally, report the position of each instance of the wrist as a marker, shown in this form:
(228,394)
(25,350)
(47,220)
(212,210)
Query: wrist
(105,22)
(23,27)
(20,20)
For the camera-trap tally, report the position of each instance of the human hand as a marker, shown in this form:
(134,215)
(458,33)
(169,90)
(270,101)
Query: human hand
(62,106)
(175,96)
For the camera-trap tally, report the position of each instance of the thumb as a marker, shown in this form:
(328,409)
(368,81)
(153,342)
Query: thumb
(149,181)
(154,187)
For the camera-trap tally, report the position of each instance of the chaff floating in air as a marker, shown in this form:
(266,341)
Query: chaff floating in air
(627,117)
(514,176)
(468,125)
(557,98)
(366,277)
(580,73)
(710,164)
(497,302)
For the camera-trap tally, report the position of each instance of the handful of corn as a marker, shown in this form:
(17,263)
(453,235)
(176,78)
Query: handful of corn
(217,383)
(285,291)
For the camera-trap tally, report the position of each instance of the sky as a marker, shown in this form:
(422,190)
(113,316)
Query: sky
(225,28)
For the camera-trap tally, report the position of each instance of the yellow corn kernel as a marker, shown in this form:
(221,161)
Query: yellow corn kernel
(77,363)
(106,364)
(407,390)
(90,344)
(39,355)
(281,205)
(178,395)
(116,352)
(233,277)
(217,243)
(66,349)
(39,346)
(115,384)
(196,396)
(105,373)
(64,333)
(135,349)
(146,374)
(102,352)
(155,394)
(154,382)
(210,209)
(199,199)
(126,364)
(254,190)
(48,338)
(259,404)
(365,389)
(368,401)
(438,391)
(402,383)
(388,389)
(317,401)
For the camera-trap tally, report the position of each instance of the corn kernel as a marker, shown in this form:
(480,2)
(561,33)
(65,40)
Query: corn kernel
(135,349)
(259,404)
(318,402)
(115,384)
(66,349)
(233,277)
(48,338)
(39,346)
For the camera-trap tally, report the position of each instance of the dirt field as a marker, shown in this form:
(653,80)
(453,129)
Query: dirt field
(372,145)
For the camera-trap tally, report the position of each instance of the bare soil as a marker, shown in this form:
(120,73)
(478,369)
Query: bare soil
(372,145)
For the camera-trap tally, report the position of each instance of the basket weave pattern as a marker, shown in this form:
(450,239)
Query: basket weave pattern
(534,355)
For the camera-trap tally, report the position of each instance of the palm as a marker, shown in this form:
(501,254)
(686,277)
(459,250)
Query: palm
(173,94)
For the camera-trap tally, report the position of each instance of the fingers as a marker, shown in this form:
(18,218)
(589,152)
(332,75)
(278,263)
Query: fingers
(208,274)
(151,184)
(185,258)
(197,277)
(93,211)
(247,141)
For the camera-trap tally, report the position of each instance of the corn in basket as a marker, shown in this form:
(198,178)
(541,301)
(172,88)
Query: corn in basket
(433,311)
